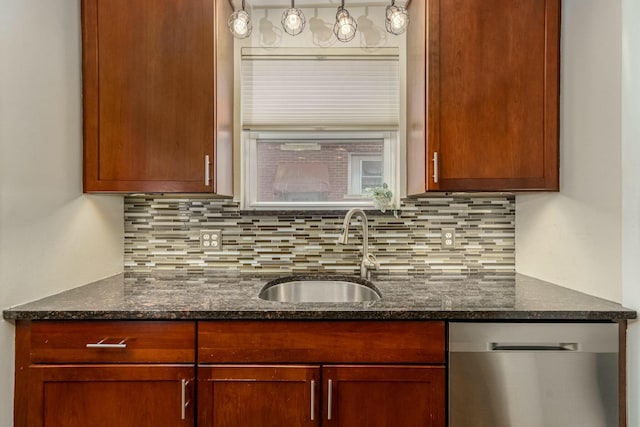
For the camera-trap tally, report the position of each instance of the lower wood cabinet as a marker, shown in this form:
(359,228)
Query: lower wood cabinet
(382,396)
(253,395)
(230,373)
(321,373)
(332,395)
(105,374)
(107,396)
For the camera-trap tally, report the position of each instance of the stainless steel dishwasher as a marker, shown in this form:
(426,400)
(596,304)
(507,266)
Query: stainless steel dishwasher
(533,374)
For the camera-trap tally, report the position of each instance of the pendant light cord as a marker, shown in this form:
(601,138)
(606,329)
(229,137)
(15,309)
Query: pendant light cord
(234,8)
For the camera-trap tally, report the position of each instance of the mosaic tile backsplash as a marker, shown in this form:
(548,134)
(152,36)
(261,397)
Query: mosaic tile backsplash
(163,234)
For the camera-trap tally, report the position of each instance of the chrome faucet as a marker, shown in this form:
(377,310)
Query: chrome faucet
(369,261)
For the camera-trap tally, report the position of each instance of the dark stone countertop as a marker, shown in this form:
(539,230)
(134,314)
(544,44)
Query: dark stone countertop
(235,296)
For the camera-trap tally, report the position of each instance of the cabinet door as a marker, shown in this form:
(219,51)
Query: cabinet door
(491,95)
(149,94)
(107,395)
(258,396)
(372,396)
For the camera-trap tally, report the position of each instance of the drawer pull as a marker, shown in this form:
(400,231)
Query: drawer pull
(103,344)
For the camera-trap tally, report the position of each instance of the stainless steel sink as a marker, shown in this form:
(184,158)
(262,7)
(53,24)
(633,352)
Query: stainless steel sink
(298,290)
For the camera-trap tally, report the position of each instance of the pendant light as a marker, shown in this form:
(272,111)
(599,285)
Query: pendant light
(397,19)
(240,23)
(293,20)
(345,26)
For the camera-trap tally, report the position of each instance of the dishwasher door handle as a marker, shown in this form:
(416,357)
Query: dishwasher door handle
(496,346)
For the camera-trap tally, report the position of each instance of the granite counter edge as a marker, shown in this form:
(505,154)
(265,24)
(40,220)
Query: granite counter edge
(452,315)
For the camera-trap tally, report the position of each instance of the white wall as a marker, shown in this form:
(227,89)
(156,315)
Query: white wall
(587,237)
(631,194)
(573,238)
(52,238)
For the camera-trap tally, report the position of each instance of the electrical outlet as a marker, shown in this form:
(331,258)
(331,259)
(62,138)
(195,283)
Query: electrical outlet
(211,240)
(448,238)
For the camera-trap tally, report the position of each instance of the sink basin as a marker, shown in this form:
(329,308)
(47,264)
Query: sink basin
(298,290)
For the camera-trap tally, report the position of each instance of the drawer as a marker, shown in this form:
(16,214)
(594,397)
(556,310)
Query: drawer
(112,342)
(321,342)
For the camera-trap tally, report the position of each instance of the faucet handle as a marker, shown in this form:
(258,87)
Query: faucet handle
(344,236)
(371,262)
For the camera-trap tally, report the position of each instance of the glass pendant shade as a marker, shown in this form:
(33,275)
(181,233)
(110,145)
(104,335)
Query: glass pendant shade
(396,20)
(345,26)
(240,24)
(293,21)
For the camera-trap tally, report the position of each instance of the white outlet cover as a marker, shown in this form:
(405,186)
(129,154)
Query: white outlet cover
(211,240)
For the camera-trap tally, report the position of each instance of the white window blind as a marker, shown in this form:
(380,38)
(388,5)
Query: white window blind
(330,92)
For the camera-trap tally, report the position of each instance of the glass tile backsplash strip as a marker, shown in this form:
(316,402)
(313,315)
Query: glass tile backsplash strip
(164,234)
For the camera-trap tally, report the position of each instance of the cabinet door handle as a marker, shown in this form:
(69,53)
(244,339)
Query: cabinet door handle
(207,173)
(329,399)
(103,344)
(435,167)
(313,400)
(183,401)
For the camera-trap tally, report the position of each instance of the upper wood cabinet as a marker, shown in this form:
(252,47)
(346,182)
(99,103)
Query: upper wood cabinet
(158,94)
(483,99)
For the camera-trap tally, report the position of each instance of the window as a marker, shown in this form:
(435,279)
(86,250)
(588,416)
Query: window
(318,129)
(316,169)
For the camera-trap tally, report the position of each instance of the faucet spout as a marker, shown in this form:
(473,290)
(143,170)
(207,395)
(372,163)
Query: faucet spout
(344,233)
(369,261)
